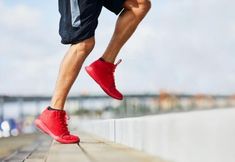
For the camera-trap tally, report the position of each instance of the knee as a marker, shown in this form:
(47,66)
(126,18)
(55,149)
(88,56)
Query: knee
(85,47)
(145,5)
(139,7)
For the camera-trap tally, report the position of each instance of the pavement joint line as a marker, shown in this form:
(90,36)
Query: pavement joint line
(90,158)
(25,152)
(10,156)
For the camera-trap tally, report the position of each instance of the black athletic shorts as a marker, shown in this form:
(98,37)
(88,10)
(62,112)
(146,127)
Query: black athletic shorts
(79,18)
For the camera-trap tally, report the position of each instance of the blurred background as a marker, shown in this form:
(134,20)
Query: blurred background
(181,58)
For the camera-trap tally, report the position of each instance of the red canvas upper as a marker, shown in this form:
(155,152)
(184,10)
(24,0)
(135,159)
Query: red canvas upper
(54,123)
(103,73)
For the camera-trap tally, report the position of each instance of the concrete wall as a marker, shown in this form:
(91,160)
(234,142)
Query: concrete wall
(199,136)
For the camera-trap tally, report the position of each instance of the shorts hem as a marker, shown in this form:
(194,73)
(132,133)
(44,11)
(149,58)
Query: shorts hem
(77,41)
(118,12)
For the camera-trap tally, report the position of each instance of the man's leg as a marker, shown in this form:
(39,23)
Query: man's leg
(102,70)
(134,12)
(69,70)
(53,121)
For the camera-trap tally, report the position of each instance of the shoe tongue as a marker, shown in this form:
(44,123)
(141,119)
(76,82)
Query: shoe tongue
(113,66)
(119,61)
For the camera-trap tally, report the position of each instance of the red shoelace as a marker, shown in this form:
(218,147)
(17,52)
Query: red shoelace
(63,123)
(111,77)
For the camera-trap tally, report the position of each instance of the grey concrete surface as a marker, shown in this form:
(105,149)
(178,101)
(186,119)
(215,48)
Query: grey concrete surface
(30,148)
(93,149)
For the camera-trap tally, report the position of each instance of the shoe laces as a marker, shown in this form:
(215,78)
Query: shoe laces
(63,117)
(111,77)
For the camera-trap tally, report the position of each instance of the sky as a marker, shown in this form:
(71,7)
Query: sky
(182,46)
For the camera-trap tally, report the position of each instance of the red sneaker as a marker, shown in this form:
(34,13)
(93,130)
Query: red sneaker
(103,73)
(53,122)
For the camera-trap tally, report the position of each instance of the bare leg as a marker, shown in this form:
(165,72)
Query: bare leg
(69,70)
(134,12)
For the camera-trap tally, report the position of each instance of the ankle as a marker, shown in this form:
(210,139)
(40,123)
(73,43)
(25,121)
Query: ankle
(57,106)
(52,108)
(58,102)
(108,59)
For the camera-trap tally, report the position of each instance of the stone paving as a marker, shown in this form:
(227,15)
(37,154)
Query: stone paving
(11,144)
(36,151)
(94,149)
(90,149)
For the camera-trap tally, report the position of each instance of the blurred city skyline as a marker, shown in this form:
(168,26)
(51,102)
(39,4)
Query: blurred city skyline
(181,46)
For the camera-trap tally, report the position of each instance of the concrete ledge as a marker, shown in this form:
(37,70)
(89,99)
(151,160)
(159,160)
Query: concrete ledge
(199,136)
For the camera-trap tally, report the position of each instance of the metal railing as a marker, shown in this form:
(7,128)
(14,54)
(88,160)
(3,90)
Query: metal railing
(131,105)
(102,106)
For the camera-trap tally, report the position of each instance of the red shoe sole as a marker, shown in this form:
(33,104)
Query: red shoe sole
(43,128)
(89,70)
